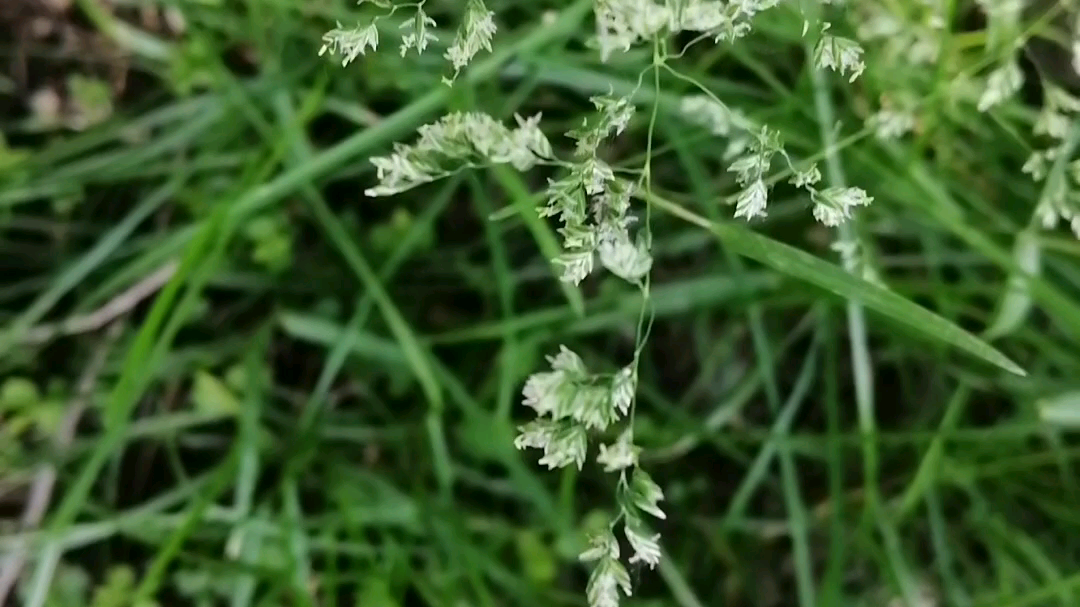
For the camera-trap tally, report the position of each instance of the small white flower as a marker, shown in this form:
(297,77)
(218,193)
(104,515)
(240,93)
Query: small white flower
(615,114)
(350,44)
(417,35)
(833,206)
(619,455)
(839,54)
(591,406)
(891,123)
(625,259)
(806,177)
(576,265)
(612,116)
(529,136)
(646,494)
(1052,123)
(605,582)
(536,434)
(751,201)
(601,546)
(829,215)
(754,164)
(595,175)
(622,23)
(623,387)
(541,391)
(1002,83)
(1048,217)
(568,361)
(646,547)
(705,111)
(1036,165)
(567,444)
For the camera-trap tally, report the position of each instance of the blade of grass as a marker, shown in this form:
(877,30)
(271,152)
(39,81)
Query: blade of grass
(416,356)
(78,271)
(925,475)
(806,267)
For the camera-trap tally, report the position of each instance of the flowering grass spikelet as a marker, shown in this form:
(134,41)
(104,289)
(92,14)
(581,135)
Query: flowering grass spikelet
(474,34)
(619,455)
(455,141)
(842,55)
(621,24)
(645,545)
(609,577)
(416,34)
(806,177)
(629,261)
(708,113)
(593,204)
(752,200)
(350,43)
(833,205)
(1001,84)
(890,123)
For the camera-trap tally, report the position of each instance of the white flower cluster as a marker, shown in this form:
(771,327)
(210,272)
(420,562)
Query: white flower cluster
(459,140)
(475,34)
(832,205)
(750,172)
(570,402)
(754,152)
(639,495)
(593,204)
(620,24)
(1062,202)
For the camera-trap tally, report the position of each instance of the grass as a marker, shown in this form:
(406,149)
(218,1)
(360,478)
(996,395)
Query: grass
(315,404)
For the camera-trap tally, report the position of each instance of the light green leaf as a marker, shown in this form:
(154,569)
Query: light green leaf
(375,591)
(1062,411)
(1016,303)
(18,393)
(537,559)
(210,395)
(814,270)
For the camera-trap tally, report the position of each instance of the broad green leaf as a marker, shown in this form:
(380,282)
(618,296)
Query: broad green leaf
(1016,302)
(804,266)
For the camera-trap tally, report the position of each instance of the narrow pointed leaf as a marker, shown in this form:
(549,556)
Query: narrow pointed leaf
(806,267)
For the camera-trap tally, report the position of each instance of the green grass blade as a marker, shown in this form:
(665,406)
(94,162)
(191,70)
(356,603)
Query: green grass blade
(804,266)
